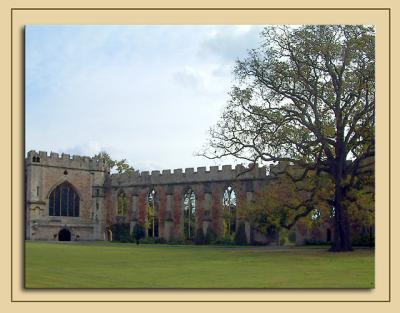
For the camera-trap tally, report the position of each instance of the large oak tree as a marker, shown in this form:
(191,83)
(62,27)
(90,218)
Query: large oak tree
(306,96)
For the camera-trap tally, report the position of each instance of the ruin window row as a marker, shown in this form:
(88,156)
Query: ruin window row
(189,213)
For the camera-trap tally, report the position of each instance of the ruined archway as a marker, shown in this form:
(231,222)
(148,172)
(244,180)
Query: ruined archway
(64,235)
(152,214)
(122,208)
(189,213)
(107,234)
(229,201)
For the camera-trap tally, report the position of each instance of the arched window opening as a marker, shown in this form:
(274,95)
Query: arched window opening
(229,211)
(189,211)
(64,201)
(152,214)
(122,209)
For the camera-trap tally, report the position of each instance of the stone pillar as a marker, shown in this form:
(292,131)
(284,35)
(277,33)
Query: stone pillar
(200,197)
(169,222)
(207,204)
(247,230)
(216,207)
(135,211)
(135,206)
(162,208)
(177,213)
(142,207)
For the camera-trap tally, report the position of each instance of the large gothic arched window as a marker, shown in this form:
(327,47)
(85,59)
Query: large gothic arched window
(122,209)
(229,211)
(64,201)
(189,210)
(152,214)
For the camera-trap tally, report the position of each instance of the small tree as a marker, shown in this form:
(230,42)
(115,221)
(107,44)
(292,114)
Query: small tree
(114,165)
(138,233)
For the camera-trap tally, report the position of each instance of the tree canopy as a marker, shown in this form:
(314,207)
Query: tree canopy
(306,96)
(120,166)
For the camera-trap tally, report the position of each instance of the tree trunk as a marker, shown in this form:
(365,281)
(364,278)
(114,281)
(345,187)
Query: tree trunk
(341,239)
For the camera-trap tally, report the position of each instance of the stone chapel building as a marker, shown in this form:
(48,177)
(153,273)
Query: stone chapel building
(76,198)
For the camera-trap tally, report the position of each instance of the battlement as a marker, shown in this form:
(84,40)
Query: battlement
(64,160)
(189,175)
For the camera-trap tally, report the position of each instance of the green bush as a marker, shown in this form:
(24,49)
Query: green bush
(292,236)
(226,241)
(364,240)
(148,240)
(199,239)
(312,242)
(160,241)
(138,233)
(121,232)
(283,237)
(240,235)
(210,236)
(176,242)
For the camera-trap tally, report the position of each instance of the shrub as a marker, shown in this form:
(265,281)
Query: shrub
(365,240)
(292,236)
(312,242)
(138,233)
(199,239)
(148,240)
(240,235)
(121,232)
(226,241)
(176,242)
(210,236)
(160,241)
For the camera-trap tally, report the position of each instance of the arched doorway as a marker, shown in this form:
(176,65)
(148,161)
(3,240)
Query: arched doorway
(107,234)
(328,235)
(64,235)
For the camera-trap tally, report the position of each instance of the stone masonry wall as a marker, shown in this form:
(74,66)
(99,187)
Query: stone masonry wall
(170,186)
(43,174)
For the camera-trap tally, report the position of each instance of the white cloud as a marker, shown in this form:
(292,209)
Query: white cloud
(189,78)
(85,149)
(231,43)
(144,93)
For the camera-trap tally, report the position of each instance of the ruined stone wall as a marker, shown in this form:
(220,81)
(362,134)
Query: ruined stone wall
(170,186)
(98,192)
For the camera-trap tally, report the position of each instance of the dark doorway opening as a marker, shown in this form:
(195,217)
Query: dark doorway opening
(328,235)
(64,235)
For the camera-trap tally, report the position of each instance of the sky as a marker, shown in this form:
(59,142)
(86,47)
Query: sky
(148,94)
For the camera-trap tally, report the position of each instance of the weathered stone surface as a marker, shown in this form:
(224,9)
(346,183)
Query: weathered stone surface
(98,192)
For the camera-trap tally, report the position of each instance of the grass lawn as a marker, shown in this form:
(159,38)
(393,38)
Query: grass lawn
(111,265)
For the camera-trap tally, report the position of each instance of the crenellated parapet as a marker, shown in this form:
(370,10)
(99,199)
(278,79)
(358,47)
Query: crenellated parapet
(64,160)
(190,175)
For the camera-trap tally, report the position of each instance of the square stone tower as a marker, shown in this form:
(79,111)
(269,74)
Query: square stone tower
(64,197)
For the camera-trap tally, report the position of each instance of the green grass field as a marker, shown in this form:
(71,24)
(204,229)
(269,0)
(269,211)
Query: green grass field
(111,265)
